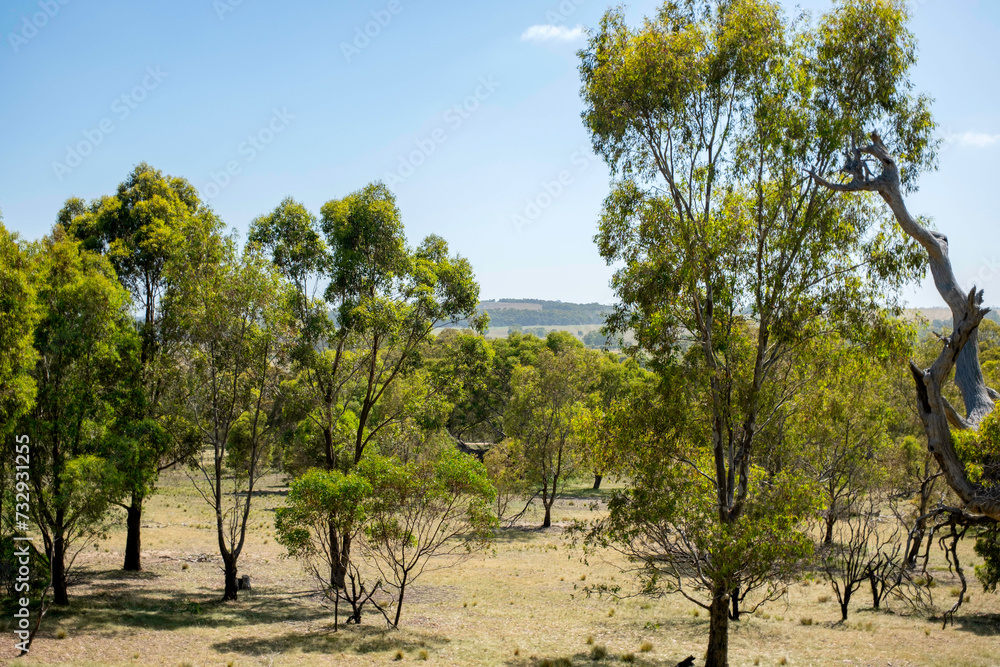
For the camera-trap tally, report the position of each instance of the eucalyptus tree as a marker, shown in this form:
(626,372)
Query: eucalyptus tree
(840,431)
(544,416)
(142,229)
(708,116)
(381,302)
(87,354)
(235,355)
(18,314)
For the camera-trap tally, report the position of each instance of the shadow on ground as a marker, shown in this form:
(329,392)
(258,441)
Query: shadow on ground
(116,605)
(354,639)
(985,625)
(588,659)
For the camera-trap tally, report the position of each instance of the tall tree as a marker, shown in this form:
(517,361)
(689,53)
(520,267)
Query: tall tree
(141,229)
(708,115)
(18,315)
(235,353)
(87,349)
(386,298)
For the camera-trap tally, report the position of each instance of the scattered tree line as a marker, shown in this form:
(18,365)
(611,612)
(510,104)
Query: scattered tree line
(761,424)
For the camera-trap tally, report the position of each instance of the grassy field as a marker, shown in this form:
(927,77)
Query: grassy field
(521,605)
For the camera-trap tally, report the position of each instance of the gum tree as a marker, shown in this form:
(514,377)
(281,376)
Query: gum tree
(382,301)
(141,229)
(544,415)
(234,356)
(708,116)
(87,350)
(18,314)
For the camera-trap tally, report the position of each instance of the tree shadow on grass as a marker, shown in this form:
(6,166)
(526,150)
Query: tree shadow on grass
(587,658)
(109,610)
(364,639)
(984,625)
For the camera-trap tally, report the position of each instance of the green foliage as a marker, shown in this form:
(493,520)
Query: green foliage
(85,343)
(988,548)
(543,414)
(710,117)
(979,450)
(18,314)
(318,501)
(400,516)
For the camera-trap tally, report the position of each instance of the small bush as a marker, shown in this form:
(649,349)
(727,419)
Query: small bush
(955,592)
(646,646)
(611,612)
(590,639)
(806,621)
(598,653)
(783,661)
(61,633)
(184,566)
(399,655)
(628,657)
(423,655)
(823,598)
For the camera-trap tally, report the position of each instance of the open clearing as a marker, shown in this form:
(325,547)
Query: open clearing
(521,605)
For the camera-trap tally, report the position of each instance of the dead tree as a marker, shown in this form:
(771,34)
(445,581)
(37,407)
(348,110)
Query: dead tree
(980,503)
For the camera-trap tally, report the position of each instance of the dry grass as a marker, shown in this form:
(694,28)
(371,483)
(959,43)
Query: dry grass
(527,607)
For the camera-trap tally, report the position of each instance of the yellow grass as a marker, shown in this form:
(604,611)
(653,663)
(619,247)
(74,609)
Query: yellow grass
(523,605)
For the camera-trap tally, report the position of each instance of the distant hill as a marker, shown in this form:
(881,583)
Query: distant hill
(538,312)
(939,319)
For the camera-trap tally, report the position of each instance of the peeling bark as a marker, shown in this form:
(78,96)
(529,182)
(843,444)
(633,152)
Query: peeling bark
(960,350)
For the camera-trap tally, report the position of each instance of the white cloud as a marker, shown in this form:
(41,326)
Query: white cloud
(973,139)
(552,33)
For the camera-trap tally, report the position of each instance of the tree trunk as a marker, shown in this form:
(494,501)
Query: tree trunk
(597,482)
(232,589)
(735,595)
(845,603)
(830,520)
(58,571)
(876,598)
(718,632)
(960,351)
(918,540)
(338,559)
(133,538)
(399,603)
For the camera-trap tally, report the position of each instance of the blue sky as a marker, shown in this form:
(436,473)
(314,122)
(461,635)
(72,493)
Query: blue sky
(470,110)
